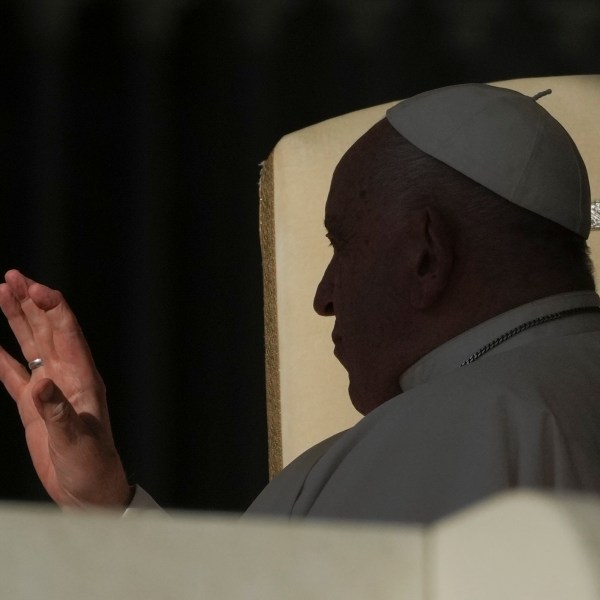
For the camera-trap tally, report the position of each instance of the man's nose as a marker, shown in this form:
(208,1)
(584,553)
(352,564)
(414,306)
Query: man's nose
(323,302)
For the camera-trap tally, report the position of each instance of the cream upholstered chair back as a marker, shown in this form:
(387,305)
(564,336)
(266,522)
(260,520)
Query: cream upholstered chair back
(307,395)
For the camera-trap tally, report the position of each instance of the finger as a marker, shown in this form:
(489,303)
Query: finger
(13,374)
(17,320)
(32,319)
(15,379)
(61,420)
(67,338)
(18,283)
(40,341)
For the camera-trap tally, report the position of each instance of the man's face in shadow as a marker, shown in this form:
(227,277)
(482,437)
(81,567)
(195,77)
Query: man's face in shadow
(364,286)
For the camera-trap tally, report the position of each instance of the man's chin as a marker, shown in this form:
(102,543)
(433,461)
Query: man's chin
(361,402)
(364,401)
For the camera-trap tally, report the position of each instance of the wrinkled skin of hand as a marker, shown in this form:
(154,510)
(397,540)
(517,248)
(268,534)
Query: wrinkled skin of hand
(62,404)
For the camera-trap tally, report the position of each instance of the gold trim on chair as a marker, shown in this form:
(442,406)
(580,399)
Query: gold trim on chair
(267,243)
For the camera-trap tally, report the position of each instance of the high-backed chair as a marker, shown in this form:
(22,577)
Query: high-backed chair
(306,387)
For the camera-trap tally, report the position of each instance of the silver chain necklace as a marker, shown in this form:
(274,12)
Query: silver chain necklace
(524,326)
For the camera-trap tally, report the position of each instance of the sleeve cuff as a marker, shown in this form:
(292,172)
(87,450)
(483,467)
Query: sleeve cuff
(142,501)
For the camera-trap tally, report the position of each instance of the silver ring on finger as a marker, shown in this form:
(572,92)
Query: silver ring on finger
(36,363)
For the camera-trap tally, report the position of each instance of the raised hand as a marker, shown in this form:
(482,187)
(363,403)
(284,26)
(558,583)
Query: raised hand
(62,403)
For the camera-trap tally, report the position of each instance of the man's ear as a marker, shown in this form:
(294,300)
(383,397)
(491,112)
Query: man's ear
(432,255)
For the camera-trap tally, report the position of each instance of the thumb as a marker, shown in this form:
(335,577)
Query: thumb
(56,411)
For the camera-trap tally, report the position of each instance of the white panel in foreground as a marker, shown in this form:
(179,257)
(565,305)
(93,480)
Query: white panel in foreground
(51,556)
(518,546)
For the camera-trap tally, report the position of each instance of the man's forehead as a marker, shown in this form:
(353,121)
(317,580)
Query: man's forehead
(353,171)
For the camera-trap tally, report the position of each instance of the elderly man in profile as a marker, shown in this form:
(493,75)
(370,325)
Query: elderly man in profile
(465,315)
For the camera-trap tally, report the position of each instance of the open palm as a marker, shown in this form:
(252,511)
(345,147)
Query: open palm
(62,404)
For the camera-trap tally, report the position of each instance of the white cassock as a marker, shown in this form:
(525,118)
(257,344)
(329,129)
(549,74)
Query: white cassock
(524,414)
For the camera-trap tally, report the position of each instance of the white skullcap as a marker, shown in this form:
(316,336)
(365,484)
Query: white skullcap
(504,141)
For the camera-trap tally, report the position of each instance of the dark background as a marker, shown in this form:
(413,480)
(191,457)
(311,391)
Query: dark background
(131,134)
